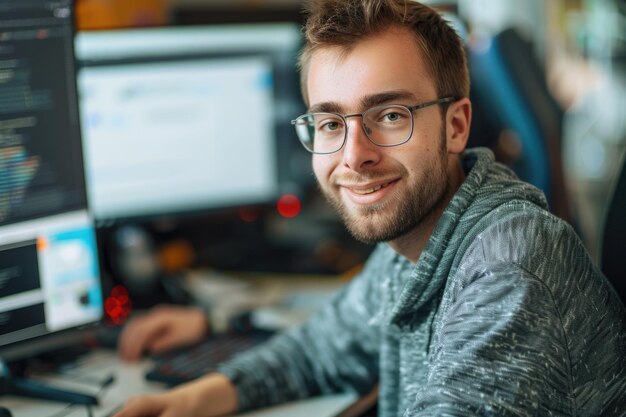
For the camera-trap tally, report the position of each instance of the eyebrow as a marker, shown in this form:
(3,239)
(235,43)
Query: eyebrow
(385,98)
(366,102)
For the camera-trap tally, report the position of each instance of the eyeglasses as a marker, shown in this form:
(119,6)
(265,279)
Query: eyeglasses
(387,125)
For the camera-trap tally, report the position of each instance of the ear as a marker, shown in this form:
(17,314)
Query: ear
(458,121)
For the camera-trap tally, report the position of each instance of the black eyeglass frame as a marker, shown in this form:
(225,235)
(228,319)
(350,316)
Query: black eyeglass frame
(410,109)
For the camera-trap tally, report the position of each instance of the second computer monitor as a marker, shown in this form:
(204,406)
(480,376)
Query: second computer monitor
(50,286)
(182,119)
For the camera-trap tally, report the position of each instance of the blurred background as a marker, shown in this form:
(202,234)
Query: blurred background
(548,89)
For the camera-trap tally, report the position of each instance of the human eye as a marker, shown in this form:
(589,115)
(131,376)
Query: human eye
(387,115)
(392,115)
(328,124)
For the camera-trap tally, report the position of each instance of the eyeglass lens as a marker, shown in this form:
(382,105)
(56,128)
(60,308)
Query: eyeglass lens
(326,132)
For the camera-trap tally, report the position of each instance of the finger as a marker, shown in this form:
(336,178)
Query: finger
(137,336)
(188,328)
(124,344)
(168,340)
(128,346)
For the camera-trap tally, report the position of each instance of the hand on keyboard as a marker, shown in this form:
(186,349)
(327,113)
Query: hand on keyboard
(161,329)
(195,361)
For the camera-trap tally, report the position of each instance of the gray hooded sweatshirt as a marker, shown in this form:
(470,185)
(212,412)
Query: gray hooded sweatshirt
(504,314)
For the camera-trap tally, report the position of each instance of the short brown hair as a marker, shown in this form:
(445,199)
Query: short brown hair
(344,23)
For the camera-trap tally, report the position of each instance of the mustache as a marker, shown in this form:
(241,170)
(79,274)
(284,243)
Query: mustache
(364,177)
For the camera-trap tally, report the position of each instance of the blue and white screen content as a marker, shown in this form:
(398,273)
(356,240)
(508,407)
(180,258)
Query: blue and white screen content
(49,278)
(185,127)
(169,136)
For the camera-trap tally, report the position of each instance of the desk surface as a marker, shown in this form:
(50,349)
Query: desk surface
(129,382)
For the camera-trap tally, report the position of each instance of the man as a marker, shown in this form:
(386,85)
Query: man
(479,301)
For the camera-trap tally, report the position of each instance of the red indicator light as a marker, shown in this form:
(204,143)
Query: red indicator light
(118,305)
(289,205)
(119,291)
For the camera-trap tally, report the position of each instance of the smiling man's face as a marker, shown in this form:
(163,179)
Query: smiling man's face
(381,193)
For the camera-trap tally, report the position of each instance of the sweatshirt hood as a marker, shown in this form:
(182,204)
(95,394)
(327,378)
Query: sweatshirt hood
(487,186)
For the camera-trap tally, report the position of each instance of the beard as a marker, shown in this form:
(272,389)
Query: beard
(401,212)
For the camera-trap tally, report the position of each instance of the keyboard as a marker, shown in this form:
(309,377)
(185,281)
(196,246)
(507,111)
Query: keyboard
(194,361)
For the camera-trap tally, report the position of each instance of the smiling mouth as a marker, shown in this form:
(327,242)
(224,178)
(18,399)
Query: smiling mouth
(370,190)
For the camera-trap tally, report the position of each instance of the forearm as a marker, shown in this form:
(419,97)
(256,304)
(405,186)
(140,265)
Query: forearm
(322,356)
(335,350)
(271,375)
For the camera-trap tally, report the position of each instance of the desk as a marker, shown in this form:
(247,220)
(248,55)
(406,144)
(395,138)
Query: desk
(129,382)
(279,301)
(290,299)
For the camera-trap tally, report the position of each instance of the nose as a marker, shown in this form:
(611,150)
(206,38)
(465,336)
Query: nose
(358,152)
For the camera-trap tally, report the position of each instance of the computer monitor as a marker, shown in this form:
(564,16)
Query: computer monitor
(186,119)
(50,286)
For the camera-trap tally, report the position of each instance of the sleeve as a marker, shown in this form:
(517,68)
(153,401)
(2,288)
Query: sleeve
(335,350)
(501,351)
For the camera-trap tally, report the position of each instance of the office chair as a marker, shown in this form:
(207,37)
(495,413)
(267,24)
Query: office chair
(510,88)
(613,261)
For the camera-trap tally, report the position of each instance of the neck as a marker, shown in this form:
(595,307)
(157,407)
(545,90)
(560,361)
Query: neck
(411,244)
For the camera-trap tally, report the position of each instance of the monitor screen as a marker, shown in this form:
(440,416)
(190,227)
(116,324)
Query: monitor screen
(49,274)
(181,119)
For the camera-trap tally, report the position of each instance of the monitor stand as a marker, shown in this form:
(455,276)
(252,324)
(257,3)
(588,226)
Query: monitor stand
(23,387)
